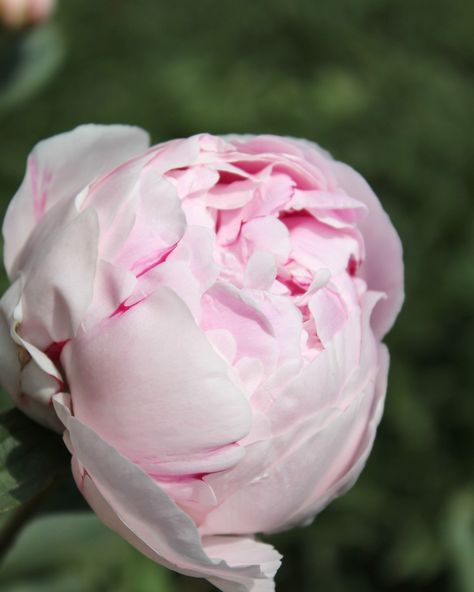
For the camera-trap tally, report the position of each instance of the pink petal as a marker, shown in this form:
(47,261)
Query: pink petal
(232,195)
(182,384)
(260,271)
(59,279)
(176,276)
(194,181)
(271,195)
(286,322)
(133,505)
(335,209)
(27,375)
(285,475)
(383,266)
(329,314)
(58,168)
(196,249)
(240,552)
(347,479)
(266,144)
(112,286)
(277,485)
(175,154)
(305,162)
(136,197)
(225,307)
(316,245)
(266,234)
(159,223)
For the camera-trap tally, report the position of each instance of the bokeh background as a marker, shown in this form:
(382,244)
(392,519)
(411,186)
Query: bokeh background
(385,86)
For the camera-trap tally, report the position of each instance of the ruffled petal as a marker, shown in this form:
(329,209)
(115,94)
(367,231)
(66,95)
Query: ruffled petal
(316,245)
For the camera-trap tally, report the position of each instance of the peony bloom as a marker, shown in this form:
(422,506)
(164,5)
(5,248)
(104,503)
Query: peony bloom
(203,321)
(18,13)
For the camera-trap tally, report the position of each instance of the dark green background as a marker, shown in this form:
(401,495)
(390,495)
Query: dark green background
(385,86)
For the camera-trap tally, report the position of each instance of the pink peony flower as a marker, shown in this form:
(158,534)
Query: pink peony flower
(205,317)
(17,13)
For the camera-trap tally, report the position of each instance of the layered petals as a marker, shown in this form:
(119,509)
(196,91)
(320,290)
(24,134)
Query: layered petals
(383,265)
(205,316)
(189,410)
(132,504)
(313,413)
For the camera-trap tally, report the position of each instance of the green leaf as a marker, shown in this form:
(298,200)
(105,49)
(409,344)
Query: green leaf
(30,458)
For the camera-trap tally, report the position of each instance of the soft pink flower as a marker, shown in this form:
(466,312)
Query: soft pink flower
(17,13)
(205,316)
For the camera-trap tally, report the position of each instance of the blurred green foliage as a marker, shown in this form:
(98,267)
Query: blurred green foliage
(387,87)
(31,459)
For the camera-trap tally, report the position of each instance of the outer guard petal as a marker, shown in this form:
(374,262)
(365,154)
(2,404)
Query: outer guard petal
(131,503)
(58,168)
(383,266)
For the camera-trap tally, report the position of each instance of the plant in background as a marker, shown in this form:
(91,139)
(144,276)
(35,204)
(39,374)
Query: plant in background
(32,49)
(202,320)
